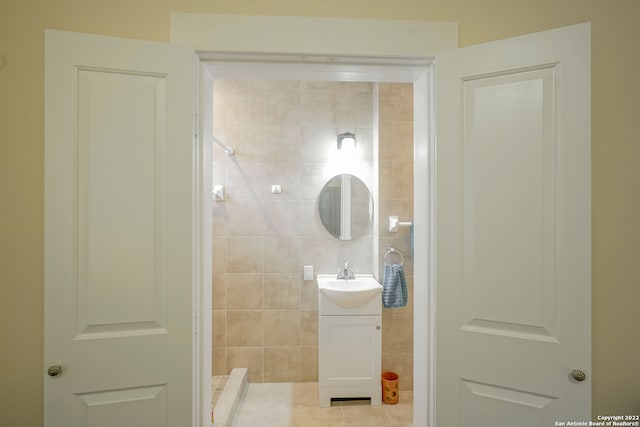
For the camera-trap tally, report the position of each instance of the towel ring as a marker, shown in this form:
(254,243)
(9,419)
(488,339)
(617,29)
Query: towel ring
(393,251)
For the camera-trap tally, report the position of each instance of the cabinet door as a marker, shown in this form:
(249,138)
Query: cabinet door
(350,350)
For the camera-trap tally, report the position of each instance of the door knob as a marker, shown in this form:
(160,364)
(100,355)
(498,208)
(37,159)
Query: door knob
(54,370)
(578,375)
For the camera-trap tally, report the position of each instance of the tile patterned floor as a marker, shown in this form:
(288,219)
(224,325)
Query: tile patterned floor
(296,405)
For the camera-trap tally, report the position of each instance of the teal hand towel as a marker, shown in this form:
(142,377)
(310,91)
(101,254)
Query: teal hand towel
(394,286)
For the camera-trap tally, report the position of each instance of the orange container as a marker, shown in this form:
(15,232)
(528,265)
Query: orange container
(390,384)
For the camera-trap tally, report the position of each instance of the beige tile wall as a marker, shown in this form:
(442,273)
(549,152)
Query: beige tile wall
(396,198)
(265,317)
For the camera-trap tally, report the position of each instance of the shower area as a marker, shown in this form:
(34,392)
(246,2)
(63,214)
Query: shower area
(266,225)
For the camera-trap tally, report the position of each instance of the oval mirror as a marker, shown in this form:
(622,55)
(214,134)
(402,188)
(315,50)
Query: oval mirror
(346,207)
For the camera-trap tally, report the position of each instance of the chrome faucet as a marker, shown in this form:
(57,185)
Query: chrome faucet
(346,272)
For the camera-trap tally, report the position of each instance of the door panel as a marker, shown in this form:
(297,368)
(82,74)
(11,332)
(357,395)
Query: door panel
(121,145)
(509,203)
(118,231)
(513,230)
(488,405)
(350,346)
(126,408)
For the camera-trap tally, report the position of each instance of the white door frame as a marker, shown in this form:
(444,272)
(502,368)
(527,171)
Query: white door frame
(203,248)
(420,72)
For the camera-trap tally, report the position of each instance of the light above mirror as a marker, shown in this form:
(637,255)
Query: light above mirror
(347,141)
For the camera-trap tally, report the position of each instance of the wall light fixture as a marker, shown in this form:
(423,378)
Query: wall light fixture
(347,140)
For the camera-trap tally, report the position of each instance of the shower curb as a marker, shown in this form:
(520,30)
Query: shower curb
(229,401)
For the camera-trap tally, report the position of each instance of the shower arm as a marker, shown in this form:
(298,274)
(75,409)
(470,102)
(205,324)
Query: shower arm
(226,148)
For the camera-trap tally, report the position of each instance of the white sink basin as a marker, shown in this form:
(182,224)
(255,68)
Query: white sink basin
(349,293)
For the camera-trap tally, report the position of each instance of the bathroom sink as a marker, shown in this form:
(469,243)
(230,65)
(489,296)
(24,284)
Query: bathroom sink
(349,293)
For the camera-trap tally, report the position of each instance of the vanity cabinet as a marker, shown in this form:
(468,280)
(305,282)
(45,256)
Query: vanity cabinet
(349,351)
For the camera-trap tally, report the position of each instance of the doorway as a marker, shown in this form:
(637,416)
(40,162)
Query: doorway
(416,72)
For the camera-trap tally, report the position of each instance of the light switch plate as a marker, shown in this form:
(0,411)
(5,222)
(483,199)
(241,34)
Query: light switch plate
(308,272)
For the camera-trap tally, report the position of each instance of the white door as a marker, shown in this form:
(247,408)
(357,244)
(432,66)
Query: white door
(513,231)
(118,232)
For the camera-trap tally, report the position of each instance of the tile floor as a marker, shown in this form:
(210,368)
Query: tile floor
(296,405)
